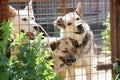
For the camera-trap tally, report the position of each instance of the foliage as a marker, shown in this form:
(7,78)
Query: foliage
(117,70)
(31,62)
(106,34)
(5,29)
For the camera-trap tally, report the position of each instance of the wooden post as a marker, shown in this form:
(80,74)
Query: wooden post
(3,10)
(115,29)
(113,23)
(118,27)
(64,7)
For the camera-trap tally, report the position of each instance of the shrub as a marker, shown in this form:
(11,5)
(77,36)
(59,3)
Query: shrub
(106,34)
(31,62)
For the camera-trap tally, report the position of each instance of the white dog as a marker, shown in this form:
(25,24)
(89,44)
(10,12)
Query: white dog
(72,25)
(24,20)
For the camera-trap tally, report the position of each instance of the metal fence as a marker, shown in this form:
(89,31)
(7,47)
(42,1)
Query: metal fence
(95,13)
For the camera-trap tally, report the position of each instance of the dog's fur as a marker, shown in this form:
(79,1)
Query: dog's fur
(24,20)
(63,53)
(72,25)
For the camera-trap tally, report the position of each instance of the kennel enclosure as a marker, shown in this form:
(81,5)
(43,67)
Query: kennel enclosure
(94,12)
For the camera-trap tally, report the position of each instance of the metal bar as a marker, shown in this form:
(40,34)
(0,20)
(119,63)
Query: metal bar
(104,67)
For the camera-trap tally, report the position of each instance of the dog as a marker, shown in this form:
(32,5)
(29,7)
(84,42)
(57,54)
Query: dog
(24,20)
(69,55)
(63,54)
(72,25)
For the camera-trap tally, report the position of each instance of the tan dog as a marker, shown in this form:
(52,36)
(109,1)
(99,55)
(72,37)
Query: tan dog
(63,53)
(72,25)
(69,55)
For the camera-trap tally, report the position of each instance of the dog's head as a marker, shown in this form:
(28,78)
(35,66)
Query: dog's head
(23,19)
(72,23)
(65,50)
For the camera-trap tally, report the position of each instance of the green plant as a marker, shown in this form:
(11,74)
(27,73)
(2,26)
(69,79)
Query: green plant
(117,70)
(106,34)
(31,62)
(5,29)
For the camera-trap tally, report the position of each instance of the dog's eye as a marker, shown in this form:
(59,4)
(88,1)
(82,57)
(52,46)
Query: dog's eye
(24,19)
(77,18)
(69,24)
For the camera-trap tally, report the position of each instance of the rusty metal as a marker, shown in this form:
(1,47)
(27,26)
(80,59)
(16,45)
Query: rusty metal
(104,67)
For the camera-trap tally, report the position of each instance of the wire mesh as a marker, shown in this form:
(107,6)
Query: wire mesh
(95,14)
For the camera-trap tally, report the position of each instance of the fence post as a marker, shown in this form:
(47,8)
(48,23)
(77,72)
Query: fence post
(63,7)
(115,29)
(3,11)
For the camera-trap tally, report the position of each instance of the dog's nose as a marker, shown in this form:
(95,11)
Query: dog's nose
(37,28)
(30,35)
(40,29)
(72,58)
(80,27)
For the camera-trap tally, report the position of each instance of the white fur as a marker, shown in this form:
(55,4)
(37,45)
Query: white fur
(86,56)
(70,29)
(18,19)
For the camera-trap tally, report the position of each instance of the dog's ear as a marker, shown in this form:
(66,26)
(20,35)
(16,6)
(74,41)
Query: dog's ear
(54,45)
(79,9)
(59,22)
(29,7)
(74,42)
(12,12)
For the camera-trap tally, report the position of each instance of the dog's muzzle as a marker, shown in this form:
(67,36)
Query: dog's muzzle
(68,60)
(40,29)
(80,29)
